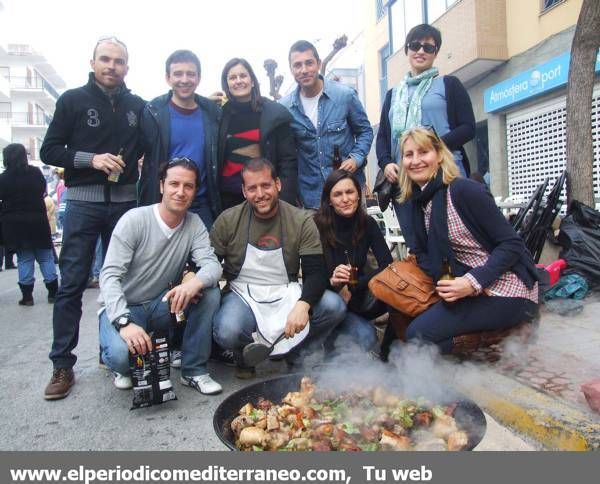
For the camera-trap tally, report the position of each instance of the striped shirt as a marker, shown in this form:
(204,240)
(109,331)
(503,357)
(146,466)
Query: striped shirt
(471,253)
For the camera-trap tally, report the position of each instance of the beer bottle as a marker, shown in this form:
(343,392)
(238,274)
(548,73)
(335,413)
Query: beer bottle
(114,175)
(446,271)
(178,318)
(336,162)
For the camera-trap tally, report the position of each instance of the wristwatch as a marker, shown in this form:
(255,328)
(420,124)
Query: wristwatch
(121,322)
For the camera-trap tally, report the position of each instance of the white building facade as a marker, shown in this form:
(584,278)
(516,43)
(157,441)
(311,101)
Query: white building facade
(29,88)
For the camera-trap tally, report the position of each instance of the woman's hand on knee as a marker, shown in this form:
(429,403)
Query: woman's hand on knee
(455,289)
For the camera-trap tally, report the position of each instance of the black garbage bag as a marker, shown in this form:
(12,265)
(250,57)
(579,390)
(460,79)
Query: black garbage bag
(580,238)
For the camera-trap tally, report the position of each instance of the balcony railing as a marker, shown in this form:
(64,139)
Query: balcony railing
(34,83)
(25,119)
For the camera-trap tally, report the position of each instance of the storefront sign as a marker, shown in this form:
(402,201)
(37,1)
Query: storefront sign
(540,79)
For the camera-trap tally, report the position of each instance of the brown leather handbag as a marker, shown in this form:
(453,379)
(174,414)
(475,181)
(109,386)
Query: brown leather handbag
(405,287)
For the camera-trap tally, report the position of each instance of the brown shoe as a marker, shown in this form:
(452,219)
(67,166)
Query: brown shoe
(60,384)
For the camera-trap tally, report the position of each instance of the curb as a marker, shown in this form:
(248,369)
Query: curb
(553,423)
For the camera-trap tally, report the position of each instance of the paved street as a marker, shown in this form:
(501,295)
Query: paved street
(96,416)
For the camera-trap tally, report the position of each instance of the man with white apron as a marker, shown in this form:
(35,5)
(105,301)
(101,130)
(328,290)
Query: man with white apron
(262,243)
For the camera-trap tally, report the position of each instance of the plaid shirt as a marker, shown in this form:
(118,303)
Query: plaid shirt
(470,252)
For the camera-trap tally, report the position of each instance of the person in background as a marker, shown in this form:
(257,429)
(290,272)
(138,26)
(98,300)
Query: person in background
(182,124)
(25,224)
(455,230)
(347,235)
(252,126)
(60,190)
(50,213)
(1,242)
(325,114)
(8,259)
(62,208)
(95,136)
(94,279)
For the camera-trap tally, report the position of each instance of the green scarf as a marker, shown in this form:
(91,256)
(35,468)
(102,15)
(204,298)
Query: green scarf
(407,115)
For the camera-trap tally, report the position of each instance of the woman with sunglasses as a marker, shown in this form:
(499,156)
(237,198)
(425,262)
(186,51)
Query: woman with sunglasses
(423,98)
(252,126)
(347,235)
(449,221)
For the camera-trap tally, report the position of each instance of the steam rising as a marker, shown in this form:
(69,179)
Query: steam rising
(414,370)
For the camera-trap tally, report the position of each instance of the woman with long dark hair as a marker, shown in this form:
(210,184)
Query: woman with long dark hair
(347,235)
(25,225)
(449,221)
(252,126)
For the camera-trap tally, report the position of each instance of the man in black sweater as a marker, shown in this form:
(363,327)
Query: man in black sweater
(94,136)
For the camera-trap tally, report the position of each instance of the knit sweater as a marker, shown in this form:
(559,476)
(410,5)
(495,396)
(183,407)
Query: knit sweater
(86,123)
(141,261)
(276,142)
(241,145)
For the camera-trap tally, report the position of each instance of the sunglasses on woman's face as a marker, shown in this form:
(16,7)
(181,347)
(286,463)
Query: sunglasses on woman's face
(416,46)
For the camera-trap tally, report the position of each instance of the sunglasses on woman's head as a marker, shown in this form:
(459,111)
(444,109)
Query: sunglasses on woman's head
(416,46)
(431,129)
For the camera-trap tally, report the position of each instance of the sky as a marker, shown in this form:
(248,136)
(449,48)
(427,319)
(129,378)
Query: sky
(65,32)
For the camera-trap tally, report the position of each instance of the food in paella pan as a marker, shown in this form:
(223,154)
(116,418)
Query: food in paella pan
(358,420)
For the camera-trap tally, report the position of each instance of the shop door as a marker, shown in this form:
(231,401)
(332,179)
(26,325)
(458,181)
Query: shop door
(536,144)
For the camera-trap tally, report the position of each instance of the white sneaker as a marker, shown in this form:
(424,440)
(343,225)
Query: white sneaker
(176,358)
(122,382)
(203,383)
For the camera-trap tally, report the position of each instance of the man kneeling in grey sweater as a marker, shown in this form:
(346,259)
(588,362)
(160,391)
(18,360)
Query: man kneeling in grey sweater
(148,250)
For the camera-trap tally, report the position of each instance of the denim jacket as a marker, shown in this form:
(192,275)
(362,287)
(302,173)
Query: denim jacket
(342,121)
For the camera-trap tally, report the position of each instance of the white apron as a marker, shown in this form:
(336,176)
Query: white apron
(264,285)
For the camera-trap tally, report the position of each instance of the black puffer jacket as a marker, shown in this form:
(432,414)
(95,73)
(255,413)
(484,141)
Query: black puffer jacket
(276,144)
(86,121)
(156,128)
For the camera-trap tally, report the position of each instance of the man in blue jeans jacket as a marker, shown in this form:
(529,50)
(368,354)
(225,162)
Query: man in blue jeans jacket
(326,113)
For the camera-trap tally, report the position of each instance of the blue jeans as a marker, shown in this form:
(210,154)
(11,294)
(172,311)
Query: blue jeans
(360,329)
(84,222)
(202,209)
(155,316)
(44,258)
(442,321)
(234,323)
(60,219)
(98,259)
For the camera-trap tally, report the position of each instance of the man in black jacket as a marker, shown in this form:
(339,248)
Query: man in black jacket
(95,137)
(182,124)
